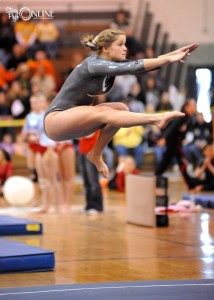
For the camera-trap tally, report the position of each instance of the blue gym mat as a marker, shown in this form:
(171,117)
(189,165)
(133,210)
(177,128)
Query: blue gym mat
(206,201)
(18,257)
(15,226)
(146,290)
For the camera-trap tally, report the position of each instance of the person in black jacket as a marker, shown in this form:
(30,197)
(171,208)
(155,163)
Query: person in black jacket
(173,137)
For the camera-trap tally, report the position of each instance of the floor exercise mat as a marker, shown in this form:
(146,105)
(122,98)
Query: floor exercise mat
(16,226)
(18,257)
(146,290)
(206,201)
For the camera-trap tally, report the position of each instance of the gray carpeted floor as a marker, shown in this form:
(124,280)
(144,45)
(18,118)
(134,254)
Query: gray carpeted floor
(152,290)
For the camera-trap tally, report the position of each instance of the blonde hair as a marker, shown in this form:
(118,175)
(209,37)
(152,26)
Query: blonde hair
(104,38)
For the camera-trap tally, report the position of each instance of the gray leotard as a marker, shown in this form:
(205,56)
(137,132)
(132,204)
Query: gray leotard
(92,77)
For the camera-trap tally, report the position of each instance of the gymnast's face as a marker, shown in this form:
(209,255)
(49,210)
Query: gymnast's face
(117,50)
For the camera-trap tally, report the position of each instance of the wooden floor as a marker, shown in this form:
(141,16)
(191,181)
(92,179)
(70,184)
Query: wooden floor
(105,248)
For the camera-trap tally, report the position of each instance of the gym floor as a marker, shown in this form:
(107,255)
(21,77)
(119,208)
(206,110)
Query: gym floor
(105,248)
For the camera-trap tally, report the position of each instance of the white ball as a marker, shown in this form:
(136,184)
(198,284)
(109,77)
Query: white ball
(18,190)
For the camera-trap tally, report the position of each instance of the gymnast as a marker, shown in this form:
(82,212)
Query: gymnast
(72,113)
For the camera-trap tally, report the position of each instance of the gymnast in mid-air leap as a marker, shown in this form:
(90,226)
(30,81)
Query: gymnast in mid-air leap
(72,113)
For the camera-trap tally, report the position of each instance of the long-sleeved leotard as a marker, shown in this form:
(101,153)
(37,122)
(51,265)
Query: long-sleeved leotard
(92,77)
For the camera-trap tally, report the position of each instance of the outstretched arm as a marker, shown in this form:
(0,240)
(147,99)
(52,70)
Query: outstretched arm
(174,56)
(99,66)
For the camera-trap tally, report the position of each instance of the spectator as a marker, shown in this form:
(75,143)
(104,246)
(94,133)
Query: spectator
(157,79)
(173,137)
(201,135)
(152,94)
(44,82)
(128,168)
(5,113)
(16,57)
(205,172)
(5,77)
(25,33)
(47,37)
(93,191)
(18,100)
(164,103)
(153,136)
(24,77)
(130,140)
(76,59)
(7,144)
(42,60)
(125,82)
(135,49)
(7,35)
(6,167)
(134,99)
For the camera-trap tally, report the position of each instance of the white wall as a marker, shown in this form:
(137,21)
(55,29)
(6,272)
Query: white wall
(185,20)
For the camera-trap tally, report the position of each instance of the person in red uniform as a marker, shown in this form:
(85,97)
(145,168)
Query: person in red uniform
(6,167)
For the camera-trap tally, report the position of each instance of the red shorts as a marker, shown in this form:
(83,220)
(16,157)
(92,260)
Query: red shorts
(37,148)
(60,148)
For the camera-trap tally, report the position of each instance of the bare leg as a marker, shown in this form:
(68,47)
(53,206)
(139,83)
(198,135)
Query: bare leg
(81,121)
(52,172)
(105,136)
(109,117)
(67,168)
(43,182)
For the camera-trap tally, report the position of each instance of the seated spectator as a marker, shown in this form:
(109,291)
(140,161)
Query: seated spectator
(164,103)
(25,33)
(125,82)
(134,47)
(134,99)
(201,135)
(177,97)
(153,136)
(6,167)
(157,80)
(205,172)
(47,37)
(5,113)
(19,102)
(42,60)
(45,82)
(5,77)
(129,167)
(7,35)
(7,144)
(16,57)
(3,57)
(152,93)
(24,77)
(130,140)
(76,59)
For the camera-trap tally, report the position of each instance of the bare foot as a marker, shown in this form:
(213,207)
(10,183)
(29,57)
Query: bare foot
(99,164)
(166,117)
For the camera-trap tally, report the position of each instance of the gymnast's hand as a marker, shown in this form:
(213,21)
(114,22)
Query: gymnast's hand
(189,48)
(181,53)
